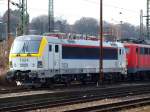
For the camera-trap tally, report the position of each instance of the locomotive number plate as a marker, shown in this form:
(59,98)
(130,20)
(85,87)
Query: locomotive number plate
(24,65)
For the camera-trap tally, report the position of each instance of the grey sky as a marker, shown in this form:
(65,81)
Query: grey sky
(75,9)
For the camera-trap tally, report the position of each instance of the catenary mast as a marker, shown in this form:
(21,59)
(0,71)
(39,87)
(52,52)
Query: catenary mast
(148,19)
(51,16)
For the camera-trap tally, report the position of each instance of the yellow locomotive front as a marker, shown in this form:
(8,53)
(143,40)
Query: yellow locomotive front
(26,57)
(23,54)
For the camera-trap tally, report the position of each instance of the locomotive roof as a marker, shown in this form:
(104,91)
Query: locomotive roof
(51,39)
(137,45)
(83,42)
(29,37)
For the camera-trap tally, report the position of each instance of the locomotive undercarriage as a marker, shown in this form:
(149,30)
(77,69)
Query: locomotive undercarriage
(138,76)
(28,78)
(25,78)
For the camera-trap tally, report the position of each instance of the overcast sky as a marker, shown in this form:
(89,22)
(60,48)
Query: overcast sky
(72,10)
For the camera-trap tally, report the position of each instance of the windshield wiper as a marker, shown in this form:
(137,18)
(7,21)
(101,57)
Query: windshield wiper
(18,54)
(28,54)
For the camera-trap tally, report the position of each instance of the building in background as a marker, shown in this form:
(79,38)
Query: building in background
(112,33)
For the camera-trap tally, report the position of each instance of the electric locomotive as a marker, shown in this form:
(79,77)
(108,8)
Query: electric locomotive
(138,57)
(45,60)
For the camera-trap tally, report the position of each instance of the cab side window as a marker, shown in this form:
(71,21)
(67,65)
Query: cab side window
(120,51)
(56,48)
(137,50)
(50,48)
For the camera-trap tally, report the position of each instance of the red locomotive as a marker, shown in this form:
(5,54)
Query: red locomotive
(138,60)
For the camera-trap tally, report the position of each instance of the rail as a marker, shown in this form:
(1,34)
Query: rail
(117,106)
(69,100)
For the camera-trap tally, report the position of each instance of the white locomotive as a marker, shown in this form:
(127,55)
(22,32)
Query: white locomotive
(44,60)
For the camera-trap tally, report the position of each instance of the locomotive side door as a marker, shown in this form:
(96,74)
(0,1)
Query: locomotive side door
(50,56)
(56,57)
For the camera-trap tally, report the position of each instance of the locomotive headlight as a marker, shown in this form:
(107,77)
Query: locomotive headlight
(10,64)
(39,64)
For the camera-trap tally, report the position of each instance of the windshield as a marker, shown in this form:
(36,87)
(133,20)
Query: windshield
(25,46)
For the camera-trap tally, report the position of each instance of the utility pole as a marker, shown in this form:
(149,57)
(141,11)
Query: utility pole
(101,75)
(8,20)
(51,16)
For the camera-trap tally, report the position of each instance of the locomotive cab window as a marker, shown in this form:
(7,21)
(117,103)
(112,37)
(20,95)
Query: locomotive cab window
(50,48)
(56,48)
(137,50)
(25,46)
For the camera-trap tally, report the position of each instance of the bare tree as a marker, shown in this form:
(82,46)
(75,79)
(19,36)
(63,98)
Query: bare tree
(86,25)
(40,24)
(14,18)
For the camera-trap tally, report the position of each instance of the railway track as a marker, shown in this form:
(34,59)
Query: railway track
(13,90)
(117,106)
(6,90)
(72,99)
